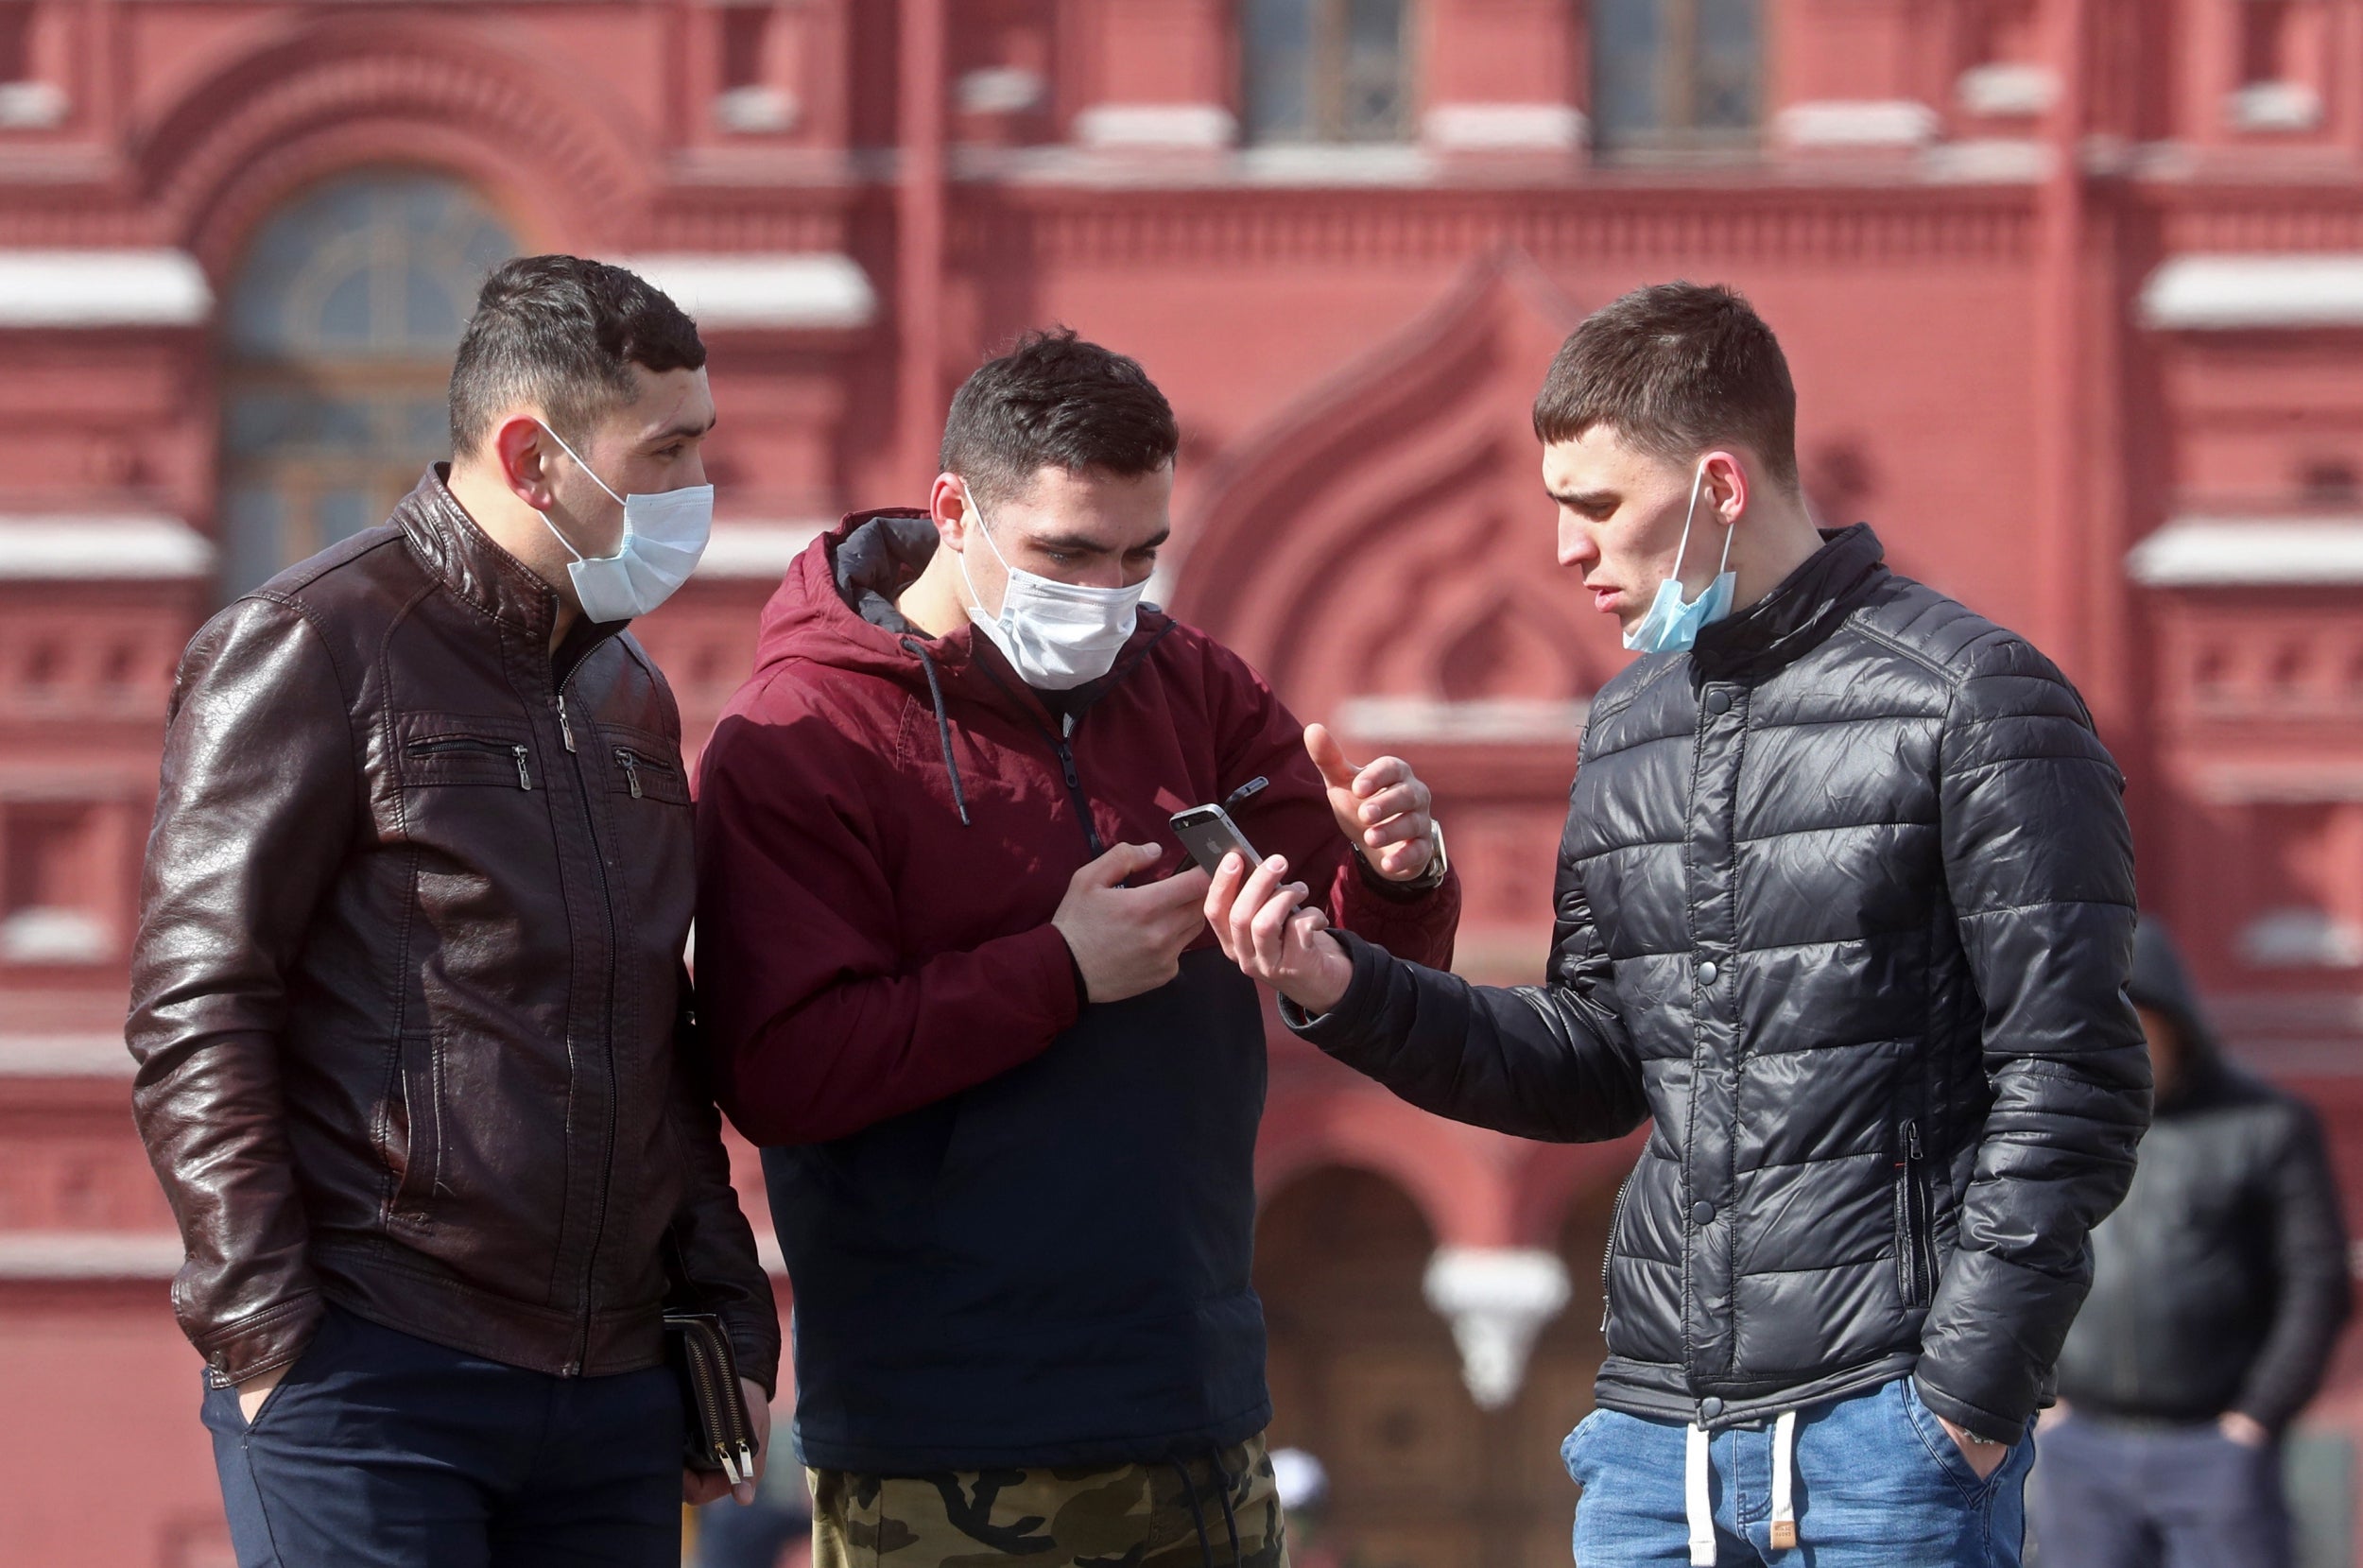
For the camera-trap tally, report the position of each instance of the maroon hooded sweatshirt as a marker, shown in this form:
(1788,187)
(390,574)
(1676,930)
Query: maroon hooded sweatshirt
(1018,1226)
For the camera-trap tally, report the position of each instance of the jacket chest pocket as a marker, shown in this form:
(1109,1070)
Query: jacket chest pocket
(643,766)
(462,749)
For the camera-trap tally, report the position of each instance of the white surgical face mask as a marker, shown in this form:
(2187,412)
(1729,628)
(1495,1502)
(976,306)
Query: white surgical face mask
(1671,626)
(663,535)
(1056,635)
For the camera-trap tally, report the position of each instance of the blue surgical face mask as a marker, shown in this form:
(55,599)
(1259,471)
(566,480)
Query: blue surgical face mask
(664,535)
(1671,626)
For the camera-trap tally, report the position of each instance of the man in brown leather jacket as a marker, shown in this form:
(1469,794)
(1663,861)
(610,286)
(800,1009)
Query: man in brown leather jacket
(408,985)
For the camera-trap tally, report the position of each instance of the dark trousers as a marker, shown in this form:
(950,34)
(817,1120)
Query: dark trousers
(382,1451)
(2110,1495)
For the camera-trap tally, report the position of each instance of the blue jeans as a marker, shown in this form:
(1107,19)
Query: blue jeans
(382,1451)
(1877,1484)
(2119,1496)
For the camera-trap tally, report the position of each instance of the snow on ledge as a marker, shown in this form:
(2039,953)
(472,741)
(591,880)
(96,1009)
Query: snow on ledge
(1198,127)
(69,548)
(762,291)
(102,289)
(2201,293)
(2218,552)
(1505,127)
(756,549)
(1869,123)
(90,1255)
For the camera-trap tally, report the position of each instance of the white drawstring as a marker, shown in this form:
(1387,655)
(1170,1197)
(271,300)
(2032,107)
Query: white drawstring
(1698,1503)
(1784,1473)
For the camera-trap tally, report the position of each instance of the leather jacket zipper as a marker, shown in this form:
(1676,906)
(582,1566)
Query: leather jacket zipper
(606,904)
(471,743)
(1608,1255)
(1912,1268)
(632,762)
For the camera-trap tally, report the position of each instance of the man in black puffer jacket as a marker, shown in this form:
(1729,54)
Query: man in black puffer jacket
(2218,1291)
(1845,912)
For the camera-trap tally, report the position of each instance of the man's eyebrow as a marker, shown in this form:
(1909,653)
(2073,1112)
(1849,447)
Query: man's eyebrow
(1075,544)
(676,432)
(1581,497)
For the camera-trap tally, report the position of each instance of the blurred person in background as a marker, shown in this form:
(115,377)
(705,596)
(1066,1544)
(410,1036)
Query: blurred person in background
(957,982)
(2219,1290)
(408,997)
(1844,913)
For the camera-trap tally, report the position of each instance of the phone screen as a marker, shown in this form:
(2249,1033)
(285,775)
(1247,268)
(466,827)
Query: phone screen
(1209,834)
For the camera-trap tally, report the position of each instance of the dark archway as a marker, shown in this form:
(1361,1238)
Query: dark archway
(1366,1377)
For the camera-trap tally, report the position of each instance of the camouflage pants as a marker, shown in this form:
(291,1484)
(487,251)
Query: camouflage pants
(1124,1516)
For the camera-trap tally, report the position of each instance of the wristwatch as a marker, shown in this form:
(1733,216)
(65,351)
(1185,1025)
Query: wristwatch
(1439,868)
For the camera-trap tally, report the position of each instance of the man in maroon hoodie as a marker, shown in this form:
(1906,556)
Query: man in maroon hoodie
(958,983)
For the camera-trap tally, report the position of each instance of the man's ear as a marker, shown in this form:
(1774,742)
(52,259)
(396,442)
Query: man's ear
(524,452)
(1727,486)
(947,505)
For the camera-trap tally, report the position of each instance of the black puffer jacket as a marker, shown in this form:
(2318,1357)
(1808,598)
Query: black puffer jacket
(2221,1284)
(1845,908)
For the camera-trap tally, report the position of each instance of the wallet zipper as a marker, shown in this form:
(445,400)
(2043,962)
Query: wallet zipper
(713,1368)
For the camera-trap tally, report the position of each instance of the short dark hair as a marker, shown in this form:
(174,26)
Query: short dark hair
(1674,369)
(562,333)
(1056,399)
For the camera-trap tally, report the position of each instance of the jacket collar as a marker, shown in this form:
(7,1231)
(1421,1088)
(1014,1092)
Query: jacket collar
(1798,615)
(464,559)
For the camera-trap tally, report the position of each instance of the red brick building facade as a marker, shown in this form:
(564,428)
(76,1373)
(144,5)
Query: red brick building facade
(2073,290)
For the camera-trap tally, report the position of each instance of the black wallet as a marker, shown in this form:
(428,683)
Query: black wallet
(720,1434)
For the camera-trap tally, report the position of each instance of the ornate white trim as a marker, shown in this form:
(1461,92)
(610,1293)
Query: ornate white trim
(102,289)
(1497,1299)
(64,1056)
(1505,127)
(756,549)
(1192,127)
(1519,720)
(1868,123)
(2007,90)
(2200,293)
(2219,552)
(2273,106)
(68,1255)
(69,548)
(775,290)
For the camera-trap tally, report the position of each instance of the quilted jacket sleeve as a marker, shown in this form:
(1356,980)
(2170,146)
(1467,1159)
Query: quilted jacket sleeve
(1549,1061)
(2039,863)
(253,817)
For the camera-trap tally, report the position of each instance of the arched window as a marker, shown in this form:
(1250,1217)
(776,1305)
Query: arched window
(342,327)
(1676,73)
(1326,70)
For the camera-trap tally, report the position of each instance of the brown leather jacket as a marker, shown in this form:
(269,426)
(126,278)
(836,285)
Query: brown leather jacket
(407,984)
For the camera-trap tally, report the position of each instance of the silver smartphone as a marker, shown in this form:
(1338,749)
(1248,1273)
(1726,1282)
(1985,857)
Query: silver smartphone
(1209,834)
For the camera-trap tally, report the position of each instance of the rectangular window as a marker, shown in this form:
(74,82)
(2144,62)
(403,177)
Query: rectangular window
(1325,70)
(1676,73)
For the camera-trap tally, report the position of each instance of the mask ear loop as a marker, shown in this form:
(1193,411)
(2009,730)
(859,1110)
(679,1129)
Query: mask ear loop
(983,528)
(594,479)
(1698,482)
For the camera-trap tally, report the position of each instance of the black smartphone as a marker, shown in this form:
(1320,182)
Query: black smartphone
(1209,834)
